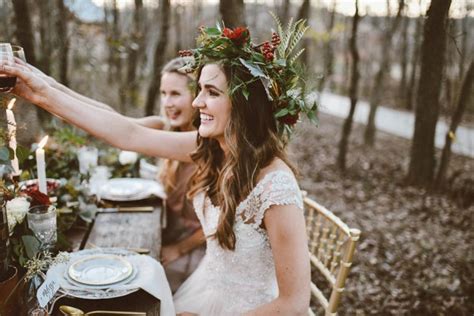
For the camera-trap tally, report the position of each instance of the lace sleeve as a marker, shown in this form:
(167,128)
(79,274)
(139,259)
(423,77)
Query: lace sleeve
(277,188)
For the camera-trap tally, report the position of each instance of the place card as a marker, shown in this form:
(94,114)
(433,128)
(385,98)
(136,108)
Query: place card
(46,291)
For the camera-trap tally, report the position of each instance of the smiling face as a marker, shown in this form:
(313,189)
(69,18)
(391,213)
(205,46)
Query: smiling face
(213,103)
(176,99)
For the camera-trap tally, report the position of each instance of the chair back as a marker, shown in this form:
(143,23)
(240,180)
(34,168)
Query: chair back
(331,245)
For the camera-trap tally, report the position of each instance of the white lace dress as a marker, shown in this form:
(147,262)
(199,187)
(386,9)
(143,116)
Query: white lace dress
(232,282)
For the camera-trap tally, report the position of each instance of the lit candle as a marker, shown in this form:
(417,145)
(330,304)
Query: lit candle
(41,166)
(12,136)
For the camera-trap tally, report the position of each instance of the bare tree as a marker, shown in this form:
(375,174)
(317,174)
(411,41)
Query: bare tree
(159,57)
(63,40)
(461,105)
(24,30)
(377,90)
(45,12)
(328,49)
(422,157)
(411,88)
(404,56)
(232,12)
(177,16)
(353,91)
(304,14)
(284,10)
(134,48)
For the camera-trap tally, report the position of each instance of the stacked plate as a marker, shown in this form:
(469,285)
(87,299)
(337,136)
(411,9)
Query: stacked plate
(130,189)
(100,271)
(98,275)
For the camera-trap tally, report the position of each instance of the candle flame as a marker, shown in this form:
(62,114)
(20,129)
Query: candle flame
(43,142)
(11,104)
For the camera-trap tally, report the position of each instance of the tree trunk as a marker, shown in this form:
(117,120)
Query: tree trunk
(462,57)
(232,12)
(134,49)
(404,57)
(24,30)
(159,58)
(378,85)
(353,91)
(463,100)
(177,14)
(414,64)
(63,41)
(304,14)
(45,11)
(422,157)
(328,50)
(285,11)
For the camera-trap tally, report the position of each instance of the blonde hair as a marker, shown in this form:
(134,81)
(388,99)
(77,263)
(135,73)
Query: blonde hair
(168,167)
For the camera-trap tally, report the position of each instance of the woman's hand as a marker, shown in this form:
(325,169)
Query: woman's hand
(170,254)
(28,85)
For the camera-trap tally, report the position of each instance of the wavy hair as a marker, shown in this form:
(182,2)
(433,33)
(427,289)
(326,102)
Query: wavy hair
(252,140)
(169,167)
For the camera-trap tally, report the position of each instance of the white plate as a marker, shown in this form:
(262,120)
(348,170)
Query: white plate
(130,189)
(100,269)
(101,286)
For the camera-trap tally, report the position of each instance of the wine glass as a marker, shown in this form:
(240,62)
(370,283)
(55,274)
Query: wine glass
(19,52)
(7,82)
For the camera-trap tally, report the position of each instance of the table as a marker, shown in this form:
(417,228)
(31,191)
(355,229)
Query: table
(125,230)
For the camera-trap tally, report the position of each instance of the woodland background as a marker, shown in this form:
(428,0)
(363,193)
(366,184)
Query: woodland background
(412,201)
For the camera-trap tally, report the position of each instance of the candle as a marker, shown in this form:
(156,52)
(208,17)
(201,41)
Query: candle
(12,136)
(41,166)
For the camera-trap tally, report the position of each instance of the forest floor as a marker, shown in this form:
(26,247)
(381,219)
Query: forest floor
(416,253)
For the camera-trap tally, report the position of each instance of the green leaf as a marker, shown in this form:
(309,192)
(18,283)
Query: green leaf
(32,245)
(282,112)
(4,154)
(213,31)
(246,93)
(22,153)
(254,69)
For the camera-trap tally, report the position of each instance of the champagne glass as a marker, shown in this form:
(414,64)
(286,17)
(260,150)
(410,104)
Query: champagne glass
(19,52)
(7,82)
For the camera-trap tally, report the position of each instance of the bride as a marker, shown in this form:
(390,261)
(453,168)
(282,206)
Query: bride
(244,190)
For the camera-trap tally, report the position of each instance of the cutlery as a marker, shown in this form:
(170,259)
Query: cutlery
(73,311)
(126,209)
(141,251)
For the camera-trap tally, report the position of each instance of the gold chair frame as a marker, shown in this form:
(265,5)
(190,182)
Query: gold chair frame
(331,248)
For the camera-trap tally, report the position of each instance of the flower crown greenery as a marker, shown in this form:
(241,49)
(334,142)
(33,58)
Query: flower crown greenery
(272,62)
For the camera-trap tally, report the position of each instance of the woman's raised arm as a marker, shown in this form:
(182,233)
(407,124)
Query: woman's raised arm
(113,128)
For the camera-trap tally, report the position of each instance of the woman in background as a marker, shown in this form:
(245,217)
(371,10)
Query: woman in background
(182,238)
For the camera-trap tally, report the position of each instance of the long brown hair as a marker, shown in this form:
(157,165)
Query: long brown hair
(252,139)
(169,167)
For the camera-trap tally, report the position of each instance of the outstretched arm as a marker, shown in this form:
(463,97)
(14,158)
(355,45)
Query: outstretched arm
(149,121)
(112,127)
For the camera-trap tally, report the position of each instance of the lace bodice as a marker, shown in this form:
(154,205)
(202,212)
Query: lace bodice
(246,277)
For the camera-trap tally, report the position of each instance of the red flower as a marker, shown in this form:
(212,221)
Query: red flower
(38,198)
(289,119)
(239,35)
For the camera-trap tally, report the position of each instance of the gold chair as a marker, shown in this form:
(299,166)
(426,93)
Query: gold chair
(331,245)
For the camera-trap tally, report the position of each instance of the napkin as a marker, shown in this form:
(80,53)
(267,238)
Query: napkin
(151,278)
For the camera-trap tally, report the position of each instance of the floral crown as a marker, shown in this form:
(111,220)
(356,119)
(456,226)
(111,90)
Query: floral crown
(271,62)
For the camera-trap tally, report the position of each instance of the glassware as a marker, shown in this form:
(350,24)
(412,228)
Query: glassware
(42,221)
(7,82)
(19,52)
(88,158)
